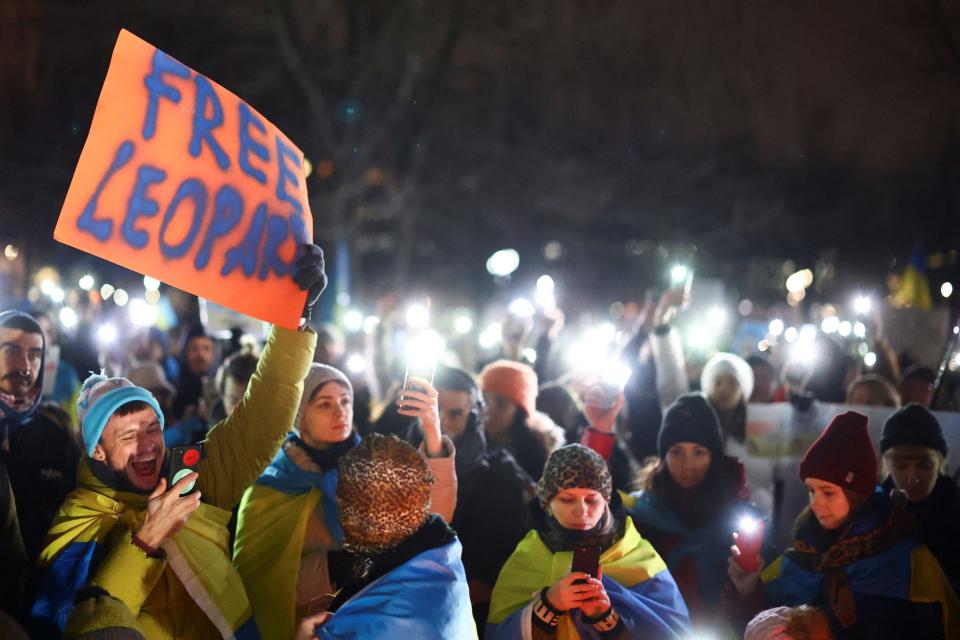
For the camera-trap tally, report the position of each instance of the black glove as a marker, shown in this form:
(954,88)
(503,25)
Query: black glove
(309,275)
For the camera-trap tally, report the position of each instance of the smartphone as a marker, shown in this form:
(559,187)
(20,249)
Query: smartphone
(181,462)
(586,559)
(749,540)
(414,371)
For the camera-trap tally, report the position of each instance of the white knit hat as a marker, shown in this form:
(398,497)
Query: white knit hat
(731,364)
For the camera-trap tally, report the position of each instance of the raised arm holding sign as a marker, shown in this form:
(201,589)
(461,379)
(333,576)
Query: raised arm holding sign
(181,180)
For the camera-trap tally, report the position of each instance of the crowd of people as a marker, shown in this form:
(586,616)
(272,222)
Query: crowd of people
(488,501)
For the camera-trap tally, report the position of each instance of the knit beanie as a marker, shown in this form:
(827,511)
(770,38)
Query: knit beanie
(574,467)
(513,380)
(318,375)
(690,419)
(730,364)
(913,425)
(384,494)
(99,616)
(768,625)
(843,455)
(100,397)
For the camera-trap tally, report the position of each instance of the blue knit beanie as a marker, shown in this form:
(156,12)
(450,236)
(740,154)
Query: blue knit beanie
(100,397)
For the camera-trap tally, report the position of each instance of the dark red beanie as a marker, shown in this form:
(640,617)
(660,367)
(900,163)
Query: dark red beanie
(843,455)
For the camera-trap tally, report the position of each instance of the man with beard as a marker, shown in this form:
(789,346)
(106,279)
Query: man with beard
(163,550)
(38,455)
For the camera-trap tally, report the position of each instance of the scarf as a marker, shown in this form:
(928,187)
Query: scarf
(198,554)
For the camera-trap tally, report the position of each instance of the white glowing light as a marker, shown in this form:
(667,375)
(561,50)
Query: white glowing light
(107,334)
(503,262)
(47,287)
(616,374)
(151,284)
(862,305)
(748,526)
(141,313)
(860,330)
(57,295)
(356,364)
(418,316)
(463,325)
(776,327)
(544,297)
(946,289)
(790,334)
(521,308)
(121,297)
(804,354)
(68,318)
(423,350)
(153,297)
(530,355)
(370,324)
(799,281)
(11,252)
(830,325)
(845,329)
(807,334)
(490,336)
(86,282)
(870,359)
(699,337)
(353,320)
(106,291)
(678,274)
(717,317)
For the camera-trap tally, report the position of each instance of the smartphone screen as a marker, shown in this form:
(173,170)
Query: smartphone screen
(586,559)
(181,462)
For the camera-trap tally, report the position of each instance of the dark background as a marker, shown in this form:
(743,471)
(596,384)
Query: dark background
(633,133)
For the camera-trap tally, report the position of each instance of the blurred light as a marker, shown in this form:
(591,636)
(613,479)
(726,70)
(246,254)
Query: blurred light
(808,333)
(463,324)
(776,327)
(946,289)
(370,324)
(863,349)
(860,330)
(33,295)
(106,291)
(86,282)
(862,305)
(678,274)
(699,338)
(491,336)
(544,296)
(121,297)
(68,318)
(830,325)
(418,316)
(845,328)
(530,355)
(799,280)
(956,330)
(553,250)
(600,336)
(616,373)
(763,345)
(11,252)
(503,262)
(343,298)
(107,334)
(790,334)
(521,308)
(141,313)
(57,295)
(796,297)
(423,350)
(804,354)
(745,308)
(717,317)
(870,359)
(47,287)
(353,320)
(153,297)
(616,310)
(748,525)
(356,364)
(151,284)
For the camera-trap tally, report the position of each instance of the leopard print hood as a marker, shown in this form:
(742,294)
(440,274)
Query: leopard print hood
(384,494)
(574,467)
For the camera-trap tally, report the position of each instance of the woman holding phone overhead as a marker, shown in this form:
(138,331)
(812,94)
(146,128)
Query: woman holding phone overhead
(591,573)
(288,530)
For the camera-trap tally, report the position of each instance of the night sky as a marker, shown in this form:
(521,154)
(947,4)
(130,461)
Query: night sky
(748,133)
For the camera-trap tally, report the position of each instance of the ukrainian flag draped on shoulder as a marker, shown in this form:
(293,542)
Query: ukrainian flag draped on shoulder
(641,590)
(198,555)
(271,528)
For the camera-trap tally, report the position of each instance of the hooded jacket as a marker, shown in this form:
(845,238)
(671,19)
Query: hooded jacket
(91,537)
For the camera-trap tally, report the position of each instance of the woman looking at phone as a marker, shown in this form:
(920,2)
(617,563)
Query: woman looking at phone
(855,555)
(629,594)
(288,530)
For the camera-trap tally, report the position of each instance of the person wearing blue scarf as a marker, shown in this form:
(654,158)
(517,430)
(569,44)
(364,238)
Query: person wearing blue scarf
(39,455)
(289,538)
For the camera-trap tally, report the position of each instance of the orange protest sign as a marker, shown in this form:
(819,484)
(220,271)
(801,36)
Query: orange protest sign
(181,180)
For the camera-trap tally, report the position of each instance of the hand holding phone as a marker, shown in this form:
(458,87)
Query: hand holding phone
(748,539)
(586,559)
(181,462)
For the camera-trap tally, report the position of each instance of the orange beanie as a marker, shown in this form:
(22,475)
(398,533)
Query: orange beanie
(514,380)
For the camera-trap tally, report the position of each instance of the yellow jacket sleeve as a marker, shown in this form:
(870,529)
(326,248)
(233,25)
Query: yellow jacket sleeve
(128,573)
(239,447)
